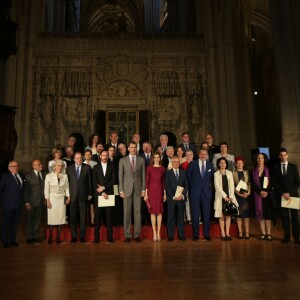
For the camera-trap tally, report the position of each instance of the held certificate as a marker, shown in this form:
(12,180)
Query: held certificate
(110,201)
(242,185)
(179,191)
(293,202)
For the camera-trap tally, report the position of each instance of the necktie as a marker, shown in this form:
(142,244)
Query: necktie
(39,177)
(283,170)
(18,180)
(176,174)
(202,170)
(148,158)
(186,146)
(77,173)
(132,164)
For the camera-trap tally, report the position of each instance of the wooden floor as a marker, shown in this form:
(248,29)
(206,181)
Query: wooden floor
(240,269)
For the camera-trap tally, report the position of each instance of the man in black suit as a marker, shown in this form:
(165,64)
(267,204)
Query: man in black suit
(113,141)
(147,153)
(175,177)
(11,199)
(81,190)
(137,138)
(187,145)
(167,157)
(96,157)
(34,200)
(212,148)
(104,178)
(286,184)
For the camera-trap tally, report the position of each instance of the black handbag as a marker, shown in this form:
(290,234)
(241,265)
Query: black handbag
(230,209)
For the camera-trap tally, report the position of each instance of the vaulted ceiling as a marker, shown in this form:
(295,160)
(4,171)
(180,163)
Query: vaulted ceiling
(112,16)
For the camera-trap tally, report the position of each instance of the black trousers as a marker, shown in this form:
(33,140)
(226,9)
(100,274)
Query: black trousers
(78,215)
(286,223)
(102,213)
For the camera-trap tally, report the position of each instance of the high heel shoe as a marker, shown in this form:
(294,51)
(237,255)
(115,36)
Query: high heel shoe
(50,241)
(240,235)
(58,241)
(247,236)
(154,239)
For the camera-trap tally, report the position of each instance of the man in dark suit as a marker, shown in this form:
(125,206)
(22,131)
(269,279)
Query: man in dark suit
(34,200)
(200,175)
(212,148)
(186,145)
(96,157)
(104,178)
(147,153)
(81,190)
(286,184)
(113,141)
(137,138)
(167,157)
(11,199)
(175,177)
(132,184)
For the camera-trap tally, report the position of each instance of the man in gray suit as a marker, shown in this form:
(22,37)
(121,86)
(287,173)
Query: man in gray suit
(132,187)
(34,199)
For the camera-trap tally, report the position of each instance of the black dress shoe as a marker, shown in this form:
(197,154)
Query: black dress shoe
(96,242)
(73,240)
(30,241)
(127,240)
(58,241)
(14,244)
(35,241)
(285,241)
(110,241)
(82,240)
(208,238)
(50,241)
(182,239)
(195,239)
(138,239)
(170,239)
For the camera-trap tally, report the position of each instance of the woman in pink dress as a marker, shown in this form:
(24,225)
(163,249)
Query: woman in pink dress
(155,194)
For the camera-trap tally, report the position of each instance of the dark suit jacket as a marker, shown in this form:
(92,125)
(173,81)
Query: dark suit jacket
(165,161)
(197,184)
(107,181)
(34,191)
(171,183)
(191,147)
(11,194)
(96,158)
(143,155)
(82,188)
(290,183)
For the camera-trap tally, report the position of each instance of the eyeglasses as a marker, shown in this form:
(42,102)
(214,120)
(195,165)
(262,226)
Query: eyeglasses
(13,166)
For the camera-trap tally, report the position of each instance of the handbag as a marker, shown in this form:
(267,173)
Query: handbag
(229,208)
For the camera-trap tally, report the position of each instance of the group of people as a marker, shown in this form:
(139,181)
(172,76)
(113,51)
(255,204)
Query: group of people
(166,183)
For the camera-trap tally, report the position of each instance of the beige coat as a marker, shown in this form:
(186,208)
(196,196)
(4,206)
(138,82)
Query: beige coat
(220,194)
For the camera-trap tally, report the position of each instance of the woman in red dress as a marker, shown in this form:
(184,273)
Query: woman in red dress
(155,194)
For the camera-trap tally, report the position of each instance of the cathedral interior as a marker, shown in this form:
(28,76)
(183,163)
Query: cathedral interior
(229,68)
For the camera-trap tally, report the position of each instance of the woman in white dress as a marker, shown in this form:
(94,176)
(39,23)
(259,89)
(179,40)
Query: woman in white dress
(56,191)
(224,186)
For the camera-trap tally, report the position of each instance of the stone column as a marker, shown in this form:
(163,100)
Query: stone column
(285,17)
(229,74)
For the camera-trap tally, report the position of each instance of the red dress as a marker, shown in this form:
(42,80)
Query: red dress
(155,184)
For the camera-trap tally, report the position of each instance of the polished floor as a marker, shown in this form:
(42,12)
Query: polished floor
(238,269)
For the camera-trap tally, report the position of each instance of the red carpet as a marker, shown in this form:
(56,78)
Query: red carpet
(145,234)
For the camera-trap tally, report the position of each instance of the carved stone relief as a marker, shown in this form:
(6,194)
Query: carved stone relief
(69,89)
